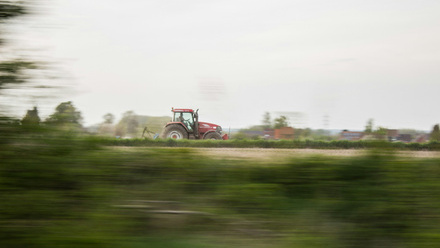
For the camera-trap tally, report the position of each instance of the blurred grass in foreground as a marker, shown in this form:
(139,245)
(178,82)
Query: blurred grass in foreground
(58,189)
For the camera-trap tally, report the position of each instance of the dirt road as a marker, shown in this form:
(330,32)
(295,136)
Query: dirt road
(281,154)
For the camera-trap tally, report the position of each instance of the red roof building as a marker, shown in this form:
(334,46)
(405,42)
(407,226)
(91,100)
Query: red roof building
(287,133)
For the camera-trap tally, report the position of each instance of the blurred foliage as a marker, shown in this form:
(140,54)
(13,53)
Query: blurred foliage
(435,134)
(240,135)
(109,118)
(280,122)
(10,9)
(412,132)
(369,126)
(128,125)
(107,128)
(62,189)
(378,133)
(31,117)
(258,132)
(321,134)
(381,133)
(132,125)
(12,72)
(65,114)
(267,121)
(14,69)
(286,144)
(303,133)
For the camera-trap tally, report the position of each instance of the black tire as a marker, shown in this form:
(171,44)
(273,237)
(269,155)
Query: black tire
(213,136)
(174,132)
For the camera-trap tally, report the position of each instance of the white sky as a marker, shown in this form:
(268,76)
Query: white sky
(234,60)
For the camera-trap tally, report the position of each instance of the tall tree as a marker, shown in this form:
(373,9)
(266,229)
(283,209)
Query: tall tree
(267,120)
(31,117)
(132,124)
(128,124)
(107,127)
(381,133)
(13,72)
(10,9)
(281,122)
(109,118)
(65,113)
(435,134)
(369,126)
(13,69)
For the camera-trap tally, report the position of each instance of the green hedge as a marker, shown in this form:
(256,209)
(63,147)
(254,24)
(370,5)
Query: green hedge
(290,144)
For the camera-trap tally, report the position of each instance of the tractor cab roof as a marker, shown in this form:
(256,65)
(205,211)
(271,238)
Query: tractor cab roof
(182,110)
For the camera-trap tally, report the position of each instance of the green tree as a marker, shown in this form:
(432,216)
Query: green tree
(31,117)
(132,122)
(369,126)
(267,120)
(303,133)
(128,124)
(381,133)
(107,127)
(12,70)
(65,113)
(10,9)
(109,118)
(435,134)
(280,122)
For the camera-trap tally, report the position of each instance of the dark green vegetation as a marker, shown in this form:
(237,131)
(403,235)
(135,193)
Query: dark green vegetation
(435,134)
(288,144)
(59,189)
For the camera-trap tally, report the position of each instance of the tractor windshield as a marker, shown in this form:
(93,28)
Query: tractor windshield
(186,118)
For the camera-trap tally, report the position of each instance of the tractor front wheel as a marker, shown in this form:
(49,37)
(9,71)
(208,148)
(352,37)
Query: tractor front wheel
(174,132)
(213,136)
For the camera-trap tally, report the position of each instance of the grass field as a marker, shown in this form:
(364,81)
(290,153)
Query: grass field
(63,190)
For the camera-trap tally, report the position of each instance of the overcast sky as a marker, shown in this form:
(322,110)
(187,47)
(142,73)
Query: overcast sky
(350,60)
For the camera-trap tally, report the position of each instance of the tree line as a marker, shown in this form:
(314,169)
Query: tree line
(66,115)
(371,131)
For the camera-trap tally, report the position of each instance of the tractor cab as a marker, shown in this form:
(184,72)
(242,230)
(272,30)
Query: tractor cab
(187,117)
(185,125)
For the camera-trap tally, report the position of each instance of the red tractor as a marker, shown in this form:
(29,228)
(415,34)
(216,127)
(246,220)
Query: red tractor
(186,125)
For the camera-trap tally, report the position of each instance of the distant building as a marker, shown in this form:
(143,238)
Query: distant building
(350,135)
(253,133)
(405,138)
(392,134)
(421,138)
(269,133)
(287,133)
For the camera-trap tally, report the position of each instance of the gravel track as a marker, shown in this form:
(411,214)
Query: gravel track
(280,154)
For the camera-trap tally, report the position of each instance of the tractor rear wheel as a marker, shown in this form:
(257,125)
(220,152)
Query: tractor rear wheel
(213,136)
(174,132)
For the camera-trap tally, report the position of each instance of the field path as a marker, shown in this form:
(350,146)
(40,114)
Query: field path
(281,154)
